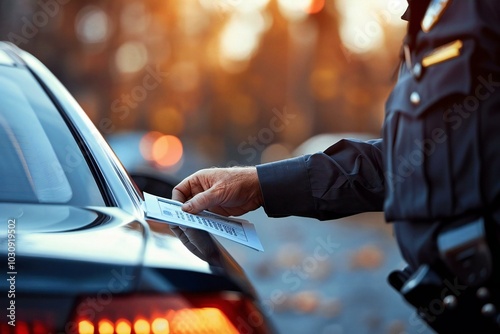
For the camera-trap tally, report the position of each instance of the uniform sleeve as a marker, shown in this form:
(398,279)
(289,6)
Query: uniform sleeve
(344,180)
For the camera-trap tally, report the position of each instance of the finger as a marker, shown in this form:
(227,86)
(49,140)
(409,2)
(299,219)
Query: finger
(181,191)
(201,201)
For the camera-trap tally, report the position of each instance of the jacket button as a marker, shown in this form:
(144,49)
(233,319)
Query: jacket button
(450,302)
(483,293)
(488,310)
(417,70)
(415,98)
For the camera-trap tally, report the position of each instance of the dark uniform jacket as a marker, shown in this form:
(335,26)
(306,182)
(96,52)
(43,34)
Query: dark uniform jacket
(439,158)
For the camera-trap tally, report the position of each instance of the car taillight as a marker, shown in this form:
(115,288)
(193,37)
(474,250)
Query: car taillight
(30,317)
(138,314)
(203,320)
(24,327)
(222,313)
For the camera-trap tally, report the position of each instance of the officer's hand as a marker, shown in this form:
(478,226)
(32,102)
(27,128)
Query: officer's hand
(225,191)
(199,242)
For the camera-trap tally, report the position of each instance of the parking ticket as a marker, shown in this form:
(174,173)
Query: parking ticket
(235,229)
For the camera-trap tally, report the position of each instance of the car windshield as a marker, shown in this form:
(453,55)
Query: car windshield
(40,160)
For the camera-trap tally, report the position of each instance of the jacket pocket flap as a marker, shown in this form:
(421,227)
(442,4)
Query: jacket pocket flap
(438,82)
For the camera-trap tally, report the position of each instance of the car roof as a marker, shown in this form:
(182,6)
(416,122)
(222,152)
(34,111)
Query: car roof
(5,59)
(8,55)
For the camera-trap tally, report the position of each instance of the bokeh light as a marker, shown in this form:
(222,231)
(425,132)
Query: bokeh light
(239,39)
(162,150)
(167,151)
(213,71)
(295,10)
(362,28)
(92,25)
(131,57)
(315,6)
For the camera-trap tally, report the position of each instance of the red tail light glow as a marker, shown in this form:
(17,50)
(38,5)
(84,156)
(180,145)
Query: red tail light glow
(210,313)
(204,320)
(157,314)
(23,327)
(85,327)
(123,327)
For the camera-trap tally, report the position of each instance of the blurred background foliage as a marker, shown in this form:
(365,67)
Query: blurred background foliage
(209,76)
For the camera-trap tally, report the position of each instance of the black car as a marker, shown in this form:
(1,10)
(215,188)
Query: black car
(79,255)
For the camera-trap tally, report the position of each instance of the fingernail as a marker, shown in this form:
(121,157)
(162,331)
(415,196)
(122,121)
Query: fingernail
(187,207)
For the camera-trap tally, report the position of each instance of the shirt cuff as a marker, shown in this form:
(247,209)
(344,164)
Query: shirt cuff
(285,187)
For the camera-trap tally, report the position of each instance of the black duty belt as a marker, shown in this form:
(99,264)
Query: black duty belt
(460,294)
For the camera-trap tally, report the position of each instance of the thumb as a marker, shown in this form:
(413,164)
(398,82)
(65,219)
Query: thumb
(201,201)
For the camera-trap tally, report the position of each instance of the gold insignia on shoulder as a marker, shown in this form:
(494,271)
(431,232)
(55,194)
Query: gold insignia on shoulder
(443,53)
(433,14)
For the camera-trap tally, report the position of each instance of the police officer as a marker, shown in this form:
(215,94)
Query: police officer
(435,172)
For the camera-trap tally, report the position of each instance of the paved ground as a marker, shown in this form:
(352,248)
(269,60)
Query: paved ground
(327,277)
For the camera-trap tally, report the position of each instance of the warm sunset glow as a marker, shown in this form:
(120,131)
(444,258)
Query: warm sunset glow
(211,72)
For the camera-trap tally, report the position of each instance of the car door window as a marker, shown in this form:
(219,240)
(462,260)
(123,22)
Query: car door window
(40,160)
